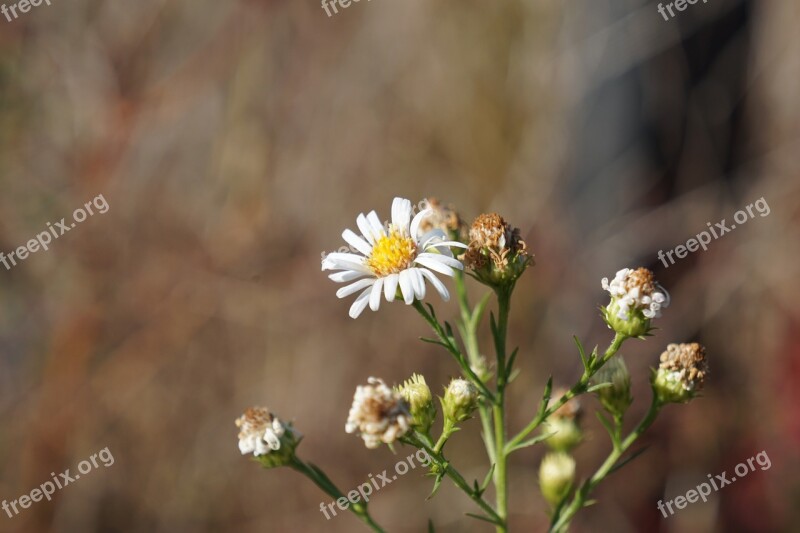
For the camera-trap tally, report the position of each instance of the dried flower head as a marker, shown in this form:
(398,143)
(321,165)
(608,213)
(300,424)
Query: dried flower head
(635,299)
(682,372)
(378,414)
(442,217)
(266,437)
(563,424)
(497,254)
(418,396)
(556,474)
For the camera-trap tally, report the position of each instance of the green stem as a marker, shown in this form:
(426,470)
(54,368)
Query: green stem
(449,344)
(563,518)
(315,474)
(454,475)
(469,331)
(579,388)
(498,410)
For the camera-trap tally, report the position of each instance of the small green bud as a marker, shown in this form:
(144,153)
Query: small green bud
(681,374)
(635,299)
(496,254)
(556,475)
(460,400)
(563,424)
(418,396)
(617,398)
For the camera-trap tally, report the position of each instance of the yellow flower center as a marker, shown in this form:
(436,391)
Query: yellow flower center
(392,253)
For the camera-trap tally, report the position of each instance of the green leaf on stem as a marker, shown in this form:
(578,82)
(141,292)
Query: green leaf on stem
(586,363)
(510,364)
(548,389)
(627,460)
(486,480)
(599,386)
(530,442)
(432,341)
(437,483)
(484,518)
(609,427)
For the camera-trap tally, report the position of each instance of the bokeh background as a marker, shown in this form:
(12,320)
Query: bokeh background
(234,141)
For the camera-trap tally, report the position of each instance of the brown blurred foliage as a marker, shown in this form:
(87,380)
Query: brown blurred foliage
(234,141)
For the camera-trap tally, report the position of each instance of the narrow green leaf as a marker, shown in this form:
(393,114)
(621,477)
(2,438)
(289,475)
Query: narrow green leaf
(480,309)
(432,341)
(627,460)
(484,518)
(487,480)
(430,526)
(606,424)
(436,484)
(599,386)
(510,364)
(531,442)
(548,389)
(582,352)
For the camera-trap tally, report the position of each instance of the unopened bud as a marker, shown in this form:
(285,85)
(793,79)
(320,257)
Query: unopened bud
(556,475)
(617,398)
(460,400)
(418,396)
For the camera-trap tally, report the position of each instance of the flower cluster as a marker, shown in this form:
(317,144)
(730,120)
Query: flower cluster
(378,414)
(635,299)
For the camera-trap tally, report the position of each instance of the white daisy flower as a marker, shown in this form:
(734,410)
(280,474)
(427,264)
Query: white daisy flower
(392,257)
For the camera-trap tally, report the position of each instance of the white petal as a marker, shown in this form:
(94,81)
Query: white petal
(338,261)
(435,234)
(448,244)
(433,264)
(449,261)
(375,295)
(437,284)
(401,213)
(354,287)
(272,440)
(390,286)
(346,275)
(419,282)
(406,288)
(356,242)
(365,228)
(375,224)
(417,221)
(360,303)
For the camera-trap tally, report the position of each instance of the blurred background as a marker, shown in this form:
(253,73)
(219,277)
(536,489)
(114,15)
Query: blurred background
(234,141)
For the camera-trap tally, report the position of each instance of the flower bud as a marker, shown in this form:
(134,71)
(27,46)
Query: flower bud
(563,424)
(681,374)
(271,441)
(556,474)
(617,398)
(460,400)
(496,254)
(418,396)
(635,299)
